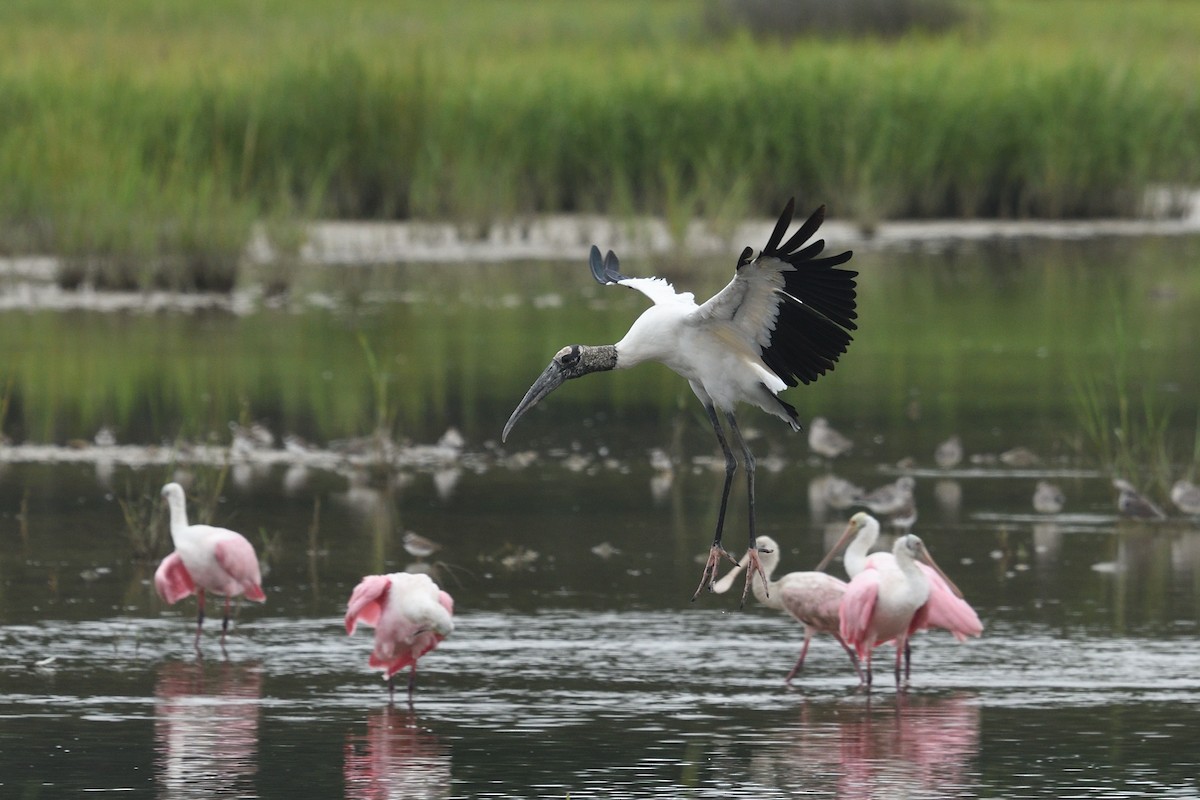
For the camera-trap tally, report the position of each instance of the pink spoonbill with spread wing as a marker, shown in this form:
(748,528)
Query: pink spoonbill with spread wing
(812,598)
(411,616)
(946,607)
(784,319)
(887,602)
(206,559)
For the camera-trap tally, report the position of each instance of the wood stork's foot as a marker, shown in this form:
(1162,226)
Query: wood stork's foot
(715,554)
(753,567)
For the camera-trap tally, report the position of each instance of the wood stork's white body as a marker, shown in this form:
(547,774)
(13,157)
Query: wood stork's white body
(784,319)
(717,355)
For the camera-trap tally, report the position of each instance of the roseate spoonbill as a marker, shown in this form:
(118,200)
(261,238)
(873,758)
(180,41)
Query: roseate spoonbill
(410,615)
(1132,504)
(812,598)
(784,319)
(206,559)
(946,607)
(887,601)
(1047,498)
(826,440)
(1186,496)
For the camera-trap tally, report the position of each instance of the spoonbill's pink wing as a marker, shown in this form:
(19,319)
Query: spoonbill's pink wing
(172,581)
(367,601)
(947,610)
(447,601)
(236,556)
(857,609)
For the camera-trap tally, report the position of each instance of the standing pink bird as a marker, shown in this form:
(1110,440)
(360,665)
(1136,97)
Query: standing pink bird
(208,559)
(410,614)
(886,601)
(812,598)
(947,608)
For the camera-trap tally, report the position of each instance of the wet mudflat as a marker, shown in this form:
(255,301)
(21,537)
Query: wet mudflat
(579,666)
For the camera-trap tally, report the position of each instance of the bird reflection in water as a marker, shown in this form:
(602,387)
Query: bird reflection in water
(206,729)
(907,747)
(396,758)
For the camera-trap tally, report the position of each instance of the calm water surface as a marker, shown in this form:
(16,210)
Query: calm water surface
(579,666)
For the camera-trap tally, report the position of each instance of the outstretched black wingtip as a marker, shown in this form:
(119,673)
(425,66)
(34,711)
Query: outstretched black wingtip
(606,270)
(785,219)
(596,264)
(811,225)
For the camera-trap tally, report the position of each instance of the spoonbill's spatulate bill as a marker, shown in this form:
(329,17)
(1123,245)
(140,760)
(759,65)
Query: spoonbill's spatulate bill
(784,319)
(812,598)
(410,615)
(206,559)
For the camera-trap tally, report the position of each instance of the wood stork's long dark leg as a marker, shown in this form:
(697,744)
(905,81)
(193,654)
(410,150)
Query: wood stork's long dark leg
(753,566)
(718,551)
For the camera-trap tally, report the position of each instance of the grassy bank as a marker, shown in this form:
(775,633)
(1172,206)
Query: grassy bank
(143,140)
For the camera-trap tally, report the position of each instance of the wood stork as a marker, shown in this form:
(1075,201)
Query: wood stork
(784,319)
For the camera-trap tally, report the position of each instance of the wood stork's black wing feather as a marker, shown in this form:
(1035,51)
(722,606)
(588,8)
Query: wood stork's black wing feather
(606,271)
(796,307)
(817,311)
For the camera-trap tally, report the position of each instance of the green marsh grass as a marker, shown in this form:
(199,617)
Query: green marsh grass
(143,142)
(145,525)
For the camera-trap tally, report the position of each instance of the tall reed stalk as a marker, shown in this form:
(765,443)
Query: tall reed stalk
(1126,420)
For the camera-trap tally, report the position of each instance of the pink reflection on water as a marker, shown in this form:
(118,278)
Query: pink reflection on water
(206,729)
(895,749)
(397,759)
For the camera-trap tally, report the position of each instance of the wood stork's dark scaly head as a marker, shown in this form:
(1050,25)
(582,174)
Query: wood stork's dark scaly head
(570,362)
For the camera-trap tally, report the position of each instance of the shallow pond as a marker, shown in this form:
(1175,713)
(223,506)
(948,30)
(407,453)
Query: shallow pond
(580,667)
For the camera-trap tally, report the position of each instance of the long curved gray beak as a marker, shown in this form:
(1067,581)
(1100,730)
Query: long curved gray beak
(550,379)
